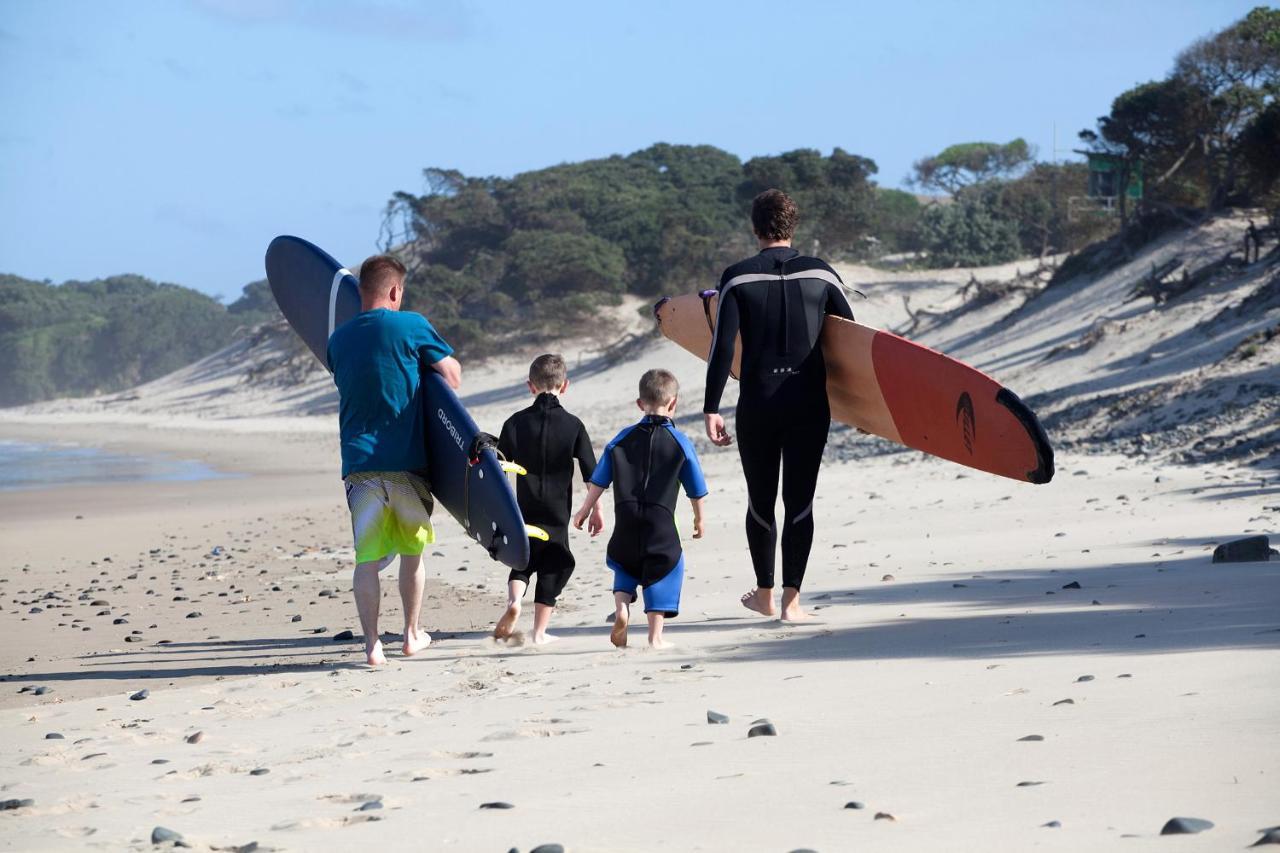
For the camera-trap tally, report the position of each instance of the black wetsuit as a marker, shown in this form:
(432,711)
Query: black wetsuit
(777,300)
(546,440)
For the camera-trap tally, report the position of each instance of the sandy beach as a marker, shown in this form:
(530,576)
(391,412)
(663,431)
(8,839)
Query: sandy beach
(957,690)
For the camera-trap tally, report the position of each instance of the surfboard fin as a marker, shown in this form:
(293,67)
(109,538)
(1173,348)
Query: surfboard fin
(536,532)
(509,467)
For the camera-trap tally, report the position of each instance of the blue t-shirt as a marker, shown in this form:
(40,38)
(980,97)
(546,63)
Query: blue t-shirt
(376,358)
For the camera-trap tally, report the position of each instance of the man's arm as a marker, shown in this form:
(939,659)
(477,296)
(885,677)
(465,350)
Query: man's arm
(719,363)
(449,368)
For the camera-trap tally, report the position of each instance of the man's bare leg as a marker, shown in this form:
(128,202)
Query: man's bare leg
(655,630)
(412,580)
(541,619)
(621,616)
(507,624)
(760,600)
(791,610)
(368,593)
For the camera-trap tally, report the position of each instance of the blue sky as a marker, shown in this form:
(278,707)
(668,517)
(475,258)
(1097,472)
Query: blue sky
(175,139)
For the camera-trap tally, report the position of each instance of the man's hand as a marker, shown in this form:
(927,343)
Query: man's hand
(596,525)
(449,368)
(716,431)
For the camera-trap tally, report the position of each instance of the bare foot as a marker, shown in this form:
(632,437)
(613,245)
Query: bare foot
(375,655)
(759,601)
(543,639)
(618,636)
(415,642)
(660,644)
(795,614)
(507,623)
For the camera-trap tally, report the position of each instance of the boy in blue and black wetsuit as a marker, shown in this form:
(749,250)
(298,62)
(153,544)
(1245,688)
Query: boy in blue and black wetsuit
(647,463)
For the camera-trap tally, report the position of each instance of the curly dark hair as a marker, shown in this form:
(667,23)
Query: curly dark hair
(774,215)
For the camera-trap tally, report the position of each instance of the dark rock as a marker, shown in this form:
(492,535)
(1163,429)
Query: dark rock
(1065,702)
(343,636)
(194,614)
(296,619)
(259,771)
(195,738)
(191,799)
(10,805)
(40,691)
(1028,784)
(140,695)
(1072,585)
(321,630)
(251,847)
(497,804)
(716,718)
(548,848)
(1185,826)
(854,804)
(1053,824)
(1249,550)
(100,602)
(1031,738)
(884,816)
(1084,678)
(1270,836)
(133,638)
(372,805)
(120,621)
(54,736)
(160,761)
(762,729)
(164,835)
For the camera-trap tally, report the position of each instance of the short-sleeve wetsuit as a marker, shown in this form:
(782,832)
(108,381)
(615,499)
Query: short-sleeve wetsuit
(547,441)
(647,464)
(777,301)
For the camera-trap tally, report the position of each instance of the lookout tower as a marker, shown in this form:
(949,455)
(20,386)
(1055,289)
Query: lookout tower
(1111,177)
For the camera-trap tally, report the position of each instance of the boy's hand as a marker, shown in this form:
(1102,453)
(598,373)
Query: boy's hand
(597,521)
(697,527)
(579,517)
(716,430)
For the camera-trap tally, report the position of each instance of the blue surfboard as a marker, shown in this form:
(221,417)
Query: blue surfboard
(317,294)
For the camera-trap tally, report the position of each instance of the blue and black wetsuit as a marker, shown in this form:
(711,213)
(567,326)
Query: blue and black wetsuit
(647,463)
(777,301)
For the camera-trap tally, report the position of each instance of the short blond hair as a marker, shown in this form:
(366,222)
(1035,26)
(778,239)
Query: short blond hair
(548,372)
(658,387)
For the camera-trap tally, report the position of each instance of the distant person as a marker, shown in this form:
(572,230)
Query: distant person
(547,441)
(376,358)
(647,463)
(776,300)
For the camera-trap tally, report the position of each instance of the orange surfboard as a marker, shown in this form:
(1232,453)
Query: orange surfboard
(899,390)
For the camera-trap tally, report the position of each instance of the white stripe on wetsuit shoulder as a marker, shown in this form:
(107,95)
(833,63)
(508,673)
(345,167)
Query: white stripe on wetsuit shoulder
(749,278)
(333,295)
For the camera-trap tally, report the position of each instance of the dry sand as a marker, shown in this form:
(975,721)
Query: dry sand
(954,681)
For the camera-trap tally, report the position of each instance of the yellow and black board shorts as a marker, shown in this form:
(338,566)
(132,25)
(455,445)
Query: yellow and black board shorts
(390,513)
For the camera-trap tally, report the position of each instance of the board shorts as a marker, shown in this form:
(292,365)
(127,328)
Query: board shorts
(390,513)
(661,597)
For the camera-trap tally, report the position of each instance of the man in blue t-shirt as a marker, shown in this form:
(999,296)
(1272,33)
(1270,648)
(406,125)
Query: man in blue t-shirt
(376,358)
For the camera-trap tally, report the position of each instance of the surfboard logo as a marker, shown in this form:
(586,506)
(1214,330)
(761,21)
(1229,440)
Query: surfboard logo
(968,423)
(453,431)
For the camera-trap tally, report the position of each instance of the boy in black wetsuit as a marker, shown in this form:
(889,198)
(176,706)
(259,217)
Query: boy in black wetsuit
(546,440)
(647,463)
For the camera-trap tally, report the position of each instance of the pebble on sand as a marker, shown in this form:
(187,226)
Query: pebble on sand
(1084,678)
(884,816)
(1053,824)
(1065,702)
(10,805)
(343,636)
(548,848)
(1072,585)
(54,736)
(164,835)
(259,771)
(372,805)
(762,729)
(716,718)
(854,804)
(497,804)
(1029,738)
(1028,784)
(1185,826)
(140,695)
(1269,836)
(195,738)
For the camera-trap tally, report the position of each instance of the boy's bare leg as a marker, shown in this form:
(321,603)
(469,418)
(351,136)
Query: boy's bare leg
(760,600)
(541,619)
(364,582)
(791,610)
(621,616)
(412,580)
(655,630)
(507,624)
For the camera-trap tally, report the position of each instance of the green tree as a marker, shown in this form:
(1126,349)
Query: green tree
(968,233)
(969,163)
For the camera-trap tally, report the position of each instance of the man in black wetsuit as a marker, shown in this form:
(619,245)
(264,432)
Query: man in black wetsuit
(776,300)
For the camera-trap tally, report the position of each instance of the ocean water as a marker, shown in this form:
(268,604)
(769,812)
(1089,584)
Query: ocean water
(37,466)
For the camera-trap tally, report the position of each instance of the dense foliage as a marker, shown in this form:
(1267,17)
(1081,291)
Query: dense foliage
(1206,136)
(539,253)
(85,337)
